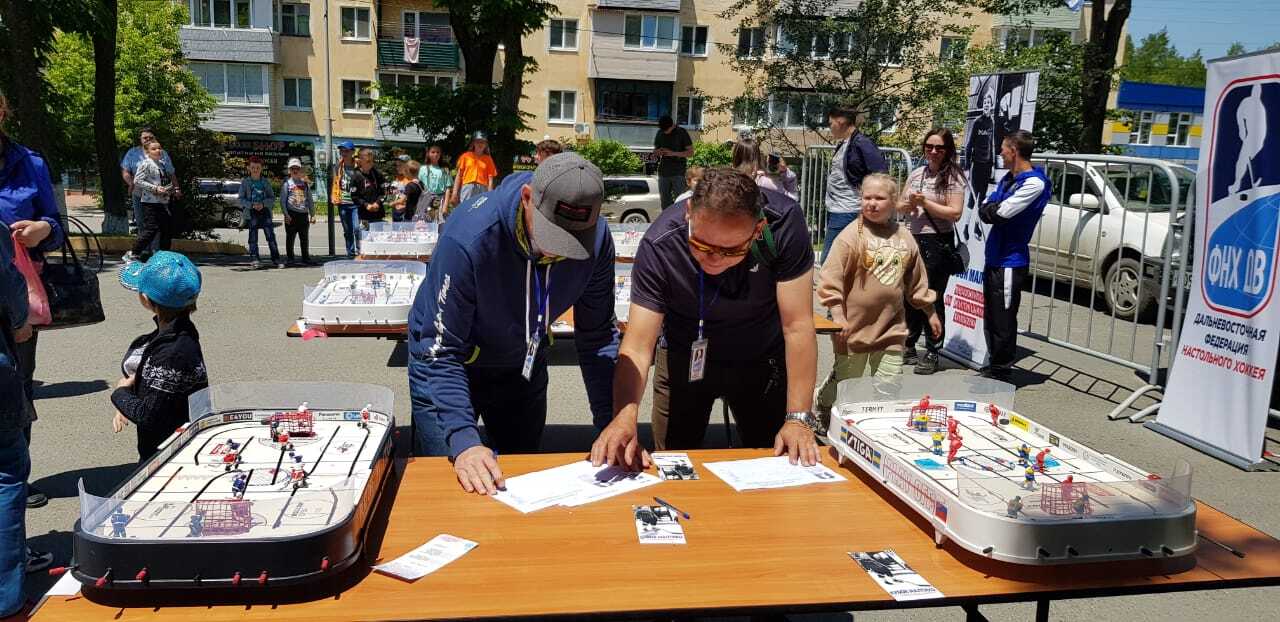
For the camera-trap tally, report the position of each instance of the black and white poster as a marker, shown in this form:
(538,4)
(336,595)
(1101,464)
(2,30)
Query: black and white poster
(894,575)
(999,104)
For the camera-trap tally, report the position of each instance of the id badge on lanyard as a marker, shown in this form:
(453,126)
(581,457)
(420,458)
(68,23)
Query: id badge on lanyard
(543,300)
(530,353)
(698,352)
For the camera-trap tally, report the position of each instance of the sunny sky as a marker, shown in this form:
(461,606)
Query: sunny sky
(1208,25)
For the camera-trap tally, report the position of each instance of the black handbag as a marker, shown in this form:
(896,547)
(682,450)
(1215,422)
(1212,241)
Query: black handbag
(949,258)
(74,299)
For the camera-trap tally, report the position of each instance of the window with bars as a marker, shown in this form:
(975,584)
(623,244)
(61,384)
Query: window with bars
(428,27)
(355,23)
(649,32)
(297,93)
(693,40)
(562,106)
(564,34)
(355,96)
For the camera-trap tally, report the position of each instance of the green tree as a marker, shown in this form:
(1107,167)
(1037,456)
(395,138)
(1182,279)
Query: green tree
(1237,49)
(1157,60)
(153,87)
(613,157)
(711,154)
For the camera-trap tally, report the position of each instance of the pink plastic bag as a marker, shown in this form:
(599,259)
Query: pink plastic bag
(39,314)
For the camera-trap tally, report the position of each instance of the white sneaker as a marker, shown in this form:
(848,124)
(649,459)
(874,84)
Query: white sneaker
(128,257)
(253,265)
(280,266)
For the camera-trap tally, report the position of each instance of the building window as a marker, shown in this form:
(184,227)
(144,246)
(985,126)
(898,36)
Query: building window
(782,41)
(564,34)
(794,111)
(295,19)
(885,117)
(562,106)
(693,40)
(355,96)
(689,112)
(632,100)
(953,48)
(750,42)
(1179,129)
(398,80)
(233,83)
(1031,37)
(222,13)
(355,23)
(297,93)
(428,27)
(650,32)
(1141,133)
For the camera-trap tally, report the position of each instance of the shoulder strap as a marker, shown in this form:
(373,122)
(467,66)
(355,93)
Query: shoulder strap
(764,249)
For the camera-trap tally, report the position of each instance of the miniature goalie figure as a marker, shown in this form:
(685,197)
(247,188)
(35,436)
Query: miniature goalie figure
(239,484)
(364,416)
(197,525)
(937,442)
(118,522)
(1081,503)
(921,420)
(1015,506)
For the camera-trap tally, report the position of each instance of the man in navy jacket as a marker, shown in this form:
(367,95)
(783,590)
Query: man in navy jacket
(508,263)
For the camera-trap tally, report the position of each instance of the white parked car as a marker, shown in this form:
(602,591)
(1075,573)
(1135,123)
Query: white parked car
(1106,227)
(631,199)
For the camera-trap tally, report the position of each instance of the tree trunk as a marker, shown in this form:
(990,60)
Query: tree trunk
(1105,30)
(26,93)
(114,200)
(504,143)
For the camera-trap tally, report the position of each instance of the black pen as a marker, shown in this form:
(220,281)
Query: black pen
(683,513)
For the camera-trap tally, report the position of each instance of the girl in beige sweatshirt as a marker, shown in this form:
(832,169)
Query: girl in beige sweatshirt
(874,269)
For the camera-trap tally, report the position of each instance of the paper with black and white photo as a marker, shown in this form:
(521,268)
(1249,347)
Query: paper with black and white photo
(428,558)
(674,465)
(772,472)
(893,574)
(658,524)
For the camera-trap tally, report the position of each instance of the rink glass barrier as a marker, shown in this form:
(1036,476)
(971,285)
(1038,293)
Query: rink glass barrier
(1140,498)
(333,270)
(399,238)
(913,388)
(626,238)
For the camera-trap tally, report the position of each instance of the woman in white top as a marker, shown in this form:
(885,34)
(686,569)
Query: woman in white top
(771,173)
(932,200)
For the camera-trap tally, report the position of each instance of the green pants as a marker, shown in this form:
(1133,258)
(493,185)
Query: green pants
(884,365)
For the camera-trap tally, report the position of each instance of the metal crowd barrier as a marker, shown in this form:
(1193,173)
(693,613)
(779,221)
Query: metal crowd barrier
(813,183)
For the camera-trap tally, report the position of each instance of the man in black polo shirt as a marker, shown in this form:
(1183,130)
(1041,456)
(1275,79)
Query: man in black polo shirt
(736,319)
(673,147)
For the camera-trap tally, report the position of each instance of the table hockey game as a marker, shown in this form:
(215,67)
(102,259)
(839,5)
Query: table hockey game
(251,492)
(399,239)
(626,240)
(1001,485)
(363,292)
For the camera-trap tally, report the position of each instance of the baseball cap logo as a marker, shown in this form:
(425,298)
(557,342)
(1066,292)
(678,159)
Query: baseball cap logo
(572,213)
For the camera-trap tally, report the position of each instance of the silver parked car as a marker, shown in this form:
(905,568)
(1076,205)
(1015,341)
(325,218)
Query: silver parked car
(227,192)
(631,199)
(1106,228)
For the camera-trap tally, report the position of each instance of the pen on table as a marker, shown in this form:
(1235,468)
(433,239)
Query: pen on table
(683,513)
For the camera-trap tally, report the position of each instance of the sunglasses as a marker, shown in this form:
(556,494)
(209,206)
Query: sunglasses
(724,251)
(935,147)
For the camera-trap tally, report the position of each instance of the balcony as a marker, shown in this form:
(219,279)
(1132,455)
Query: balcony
(230,45)
(612,57)
(634,134)
(431,56)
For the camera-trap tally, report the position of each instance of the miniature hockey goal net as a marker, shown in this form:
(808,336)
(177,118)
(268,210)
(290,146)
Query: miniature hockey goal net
(296,423)
(933,417)
(225,517)
(1065,499)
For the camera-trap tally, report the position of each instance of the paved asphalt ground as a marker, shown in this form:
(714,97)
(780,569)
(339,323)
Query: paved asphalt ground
(243,316)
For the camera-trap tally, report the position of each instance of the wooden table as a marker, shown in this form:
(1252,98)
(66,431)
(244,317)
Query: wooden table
(764,551)
(821,323)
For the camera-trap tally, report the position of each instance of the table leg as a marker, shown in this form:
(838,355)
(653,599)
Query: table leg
(971,613)
(1042,611)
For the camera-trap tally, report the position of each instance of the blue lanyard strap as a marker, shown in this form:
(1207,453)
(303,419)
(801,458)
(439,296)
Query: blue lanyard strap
(702,310)
(542,298)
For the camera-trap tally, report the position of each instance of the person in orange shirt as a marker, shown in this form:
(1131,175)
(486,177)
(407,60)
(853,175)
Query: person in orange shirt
(476,170)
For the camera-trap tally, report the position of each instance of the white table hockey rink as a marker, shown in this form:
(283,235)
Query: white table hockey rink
(338,459)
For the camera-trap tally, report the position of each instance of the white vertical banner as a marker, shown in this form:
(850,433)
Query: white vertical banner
(999,104)
(1220,383)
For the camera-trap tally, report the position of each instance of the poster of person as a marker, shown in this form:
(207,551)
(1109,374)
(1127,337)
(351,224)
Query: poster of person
(999,104)
(894,575)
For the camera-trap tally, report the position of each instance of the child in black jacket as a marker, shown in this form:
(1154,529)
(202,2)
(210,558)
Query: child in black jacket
(161,369)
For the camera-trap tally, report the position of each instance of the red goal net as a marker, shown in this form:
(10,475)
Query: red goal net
(933,417)
(225,517)
(1065,499)
(296,424)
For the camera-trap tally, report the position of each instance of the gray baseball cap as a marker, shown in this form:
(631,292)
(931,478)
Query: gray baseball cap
(567,194)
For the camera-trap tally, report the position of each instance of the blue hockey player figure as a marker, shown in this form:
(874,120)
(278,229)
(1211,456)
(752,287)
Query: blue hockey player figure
(1024,455)
(118,522)
(1015,506)
(1029,478)
(197,525)
(938,435)
(239,484)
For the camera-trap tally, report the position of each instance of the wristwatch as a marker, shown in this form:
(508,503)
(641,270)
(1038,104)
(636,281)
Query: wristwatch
(804,418)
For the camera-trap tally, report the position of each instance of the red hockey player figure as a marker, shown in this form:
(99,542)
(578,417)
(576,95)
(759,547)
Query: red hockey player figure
(303,408)
(230,460)
(924,403)
(1040,457)
(995,414)
(364,416)
(956,443)
(297,474)
(953,427)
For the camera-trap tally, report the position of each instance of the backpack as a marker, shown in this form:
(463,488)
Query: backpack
(764,249)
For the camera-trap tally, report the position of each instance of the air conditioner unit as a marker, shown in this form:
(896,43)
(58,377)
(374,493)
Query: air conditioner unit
(582,129)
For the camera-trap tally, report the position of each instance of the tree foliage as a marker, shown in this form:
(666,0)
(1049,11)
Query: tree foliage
(1157,60)
(613,157)
(711,154)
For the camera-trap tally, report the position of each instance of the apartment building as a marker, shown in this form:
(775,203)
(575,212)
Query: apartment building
(607,68)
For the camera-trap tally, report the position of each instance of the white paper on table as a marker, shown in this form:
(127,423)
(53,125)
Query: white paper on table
(894,576)
(67,585)
(771,472)
(657,524)
(673,465)
(428,558)
(572,484)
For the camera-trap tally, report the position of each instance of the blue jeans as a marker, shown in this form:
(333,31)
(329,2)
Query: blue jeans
(514,410)
(15,467)
(350,217)
(836,222)
(261,219)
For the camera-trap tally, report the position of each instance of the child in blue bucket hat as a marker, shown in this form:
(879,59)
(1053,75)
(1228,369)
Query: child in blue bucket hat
(162,368)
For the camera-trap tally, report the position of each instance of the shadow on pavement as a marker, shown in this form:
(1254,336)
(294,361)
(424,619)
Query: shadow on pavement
(73,388)
(97,480)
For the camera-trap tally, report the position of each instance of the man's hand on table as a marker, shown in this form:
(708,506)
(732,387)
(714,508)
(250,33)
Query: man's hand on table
(797,442)
(478,471)
(619,444)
